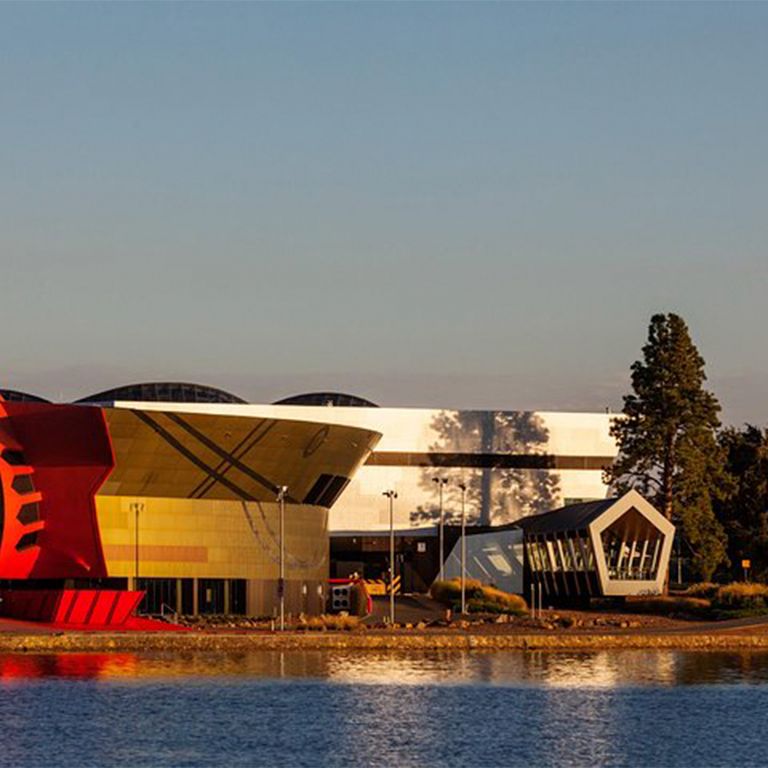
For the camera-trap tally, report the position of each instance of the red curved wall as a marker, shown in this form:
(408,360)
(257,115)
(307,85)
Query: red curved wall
(57,456)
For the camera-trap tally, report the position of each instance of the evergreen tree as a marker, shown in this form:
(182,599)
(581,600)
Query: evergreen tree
(667,440)
(744,511)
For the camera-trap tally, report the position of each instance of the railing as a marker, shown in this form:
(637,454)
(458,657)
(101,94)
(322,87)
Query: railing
(172,611)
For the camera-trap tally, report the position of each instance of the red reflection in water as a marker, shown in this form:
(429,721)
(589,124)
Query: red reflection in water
(81,665)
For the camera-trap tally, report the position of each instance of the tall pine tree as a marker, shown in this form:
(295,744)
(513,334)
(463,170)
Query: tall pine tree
(667,441)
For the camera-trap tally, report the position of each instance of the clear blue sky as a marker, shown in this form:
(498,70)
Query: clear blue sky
(426,204)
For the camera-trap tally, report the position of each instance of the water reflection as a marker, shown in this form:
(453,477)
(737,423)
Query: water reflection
(629,708)
(598,669)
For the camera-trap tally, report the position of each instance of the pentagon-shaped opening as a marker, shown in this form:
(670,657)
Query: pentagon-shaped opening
(632,546)
(29,513)
(26,541)
(23,484)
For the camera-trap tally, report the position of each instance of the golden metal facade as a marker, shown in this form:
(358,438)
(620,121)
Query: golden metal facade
(200,489)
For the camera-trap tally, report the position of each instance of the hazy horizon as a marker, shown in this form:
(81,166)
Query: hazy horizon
(449,205)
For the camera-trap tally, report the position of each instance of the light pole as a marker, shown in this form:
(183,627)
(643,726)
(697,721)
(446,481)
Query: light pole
(281,491)
(391,495)
(441,483)
(463,489)
(136,507)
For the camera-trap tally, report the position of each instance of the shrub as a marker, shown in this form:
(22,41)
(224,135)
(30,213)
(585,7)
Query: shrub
(664,605)
(449,592)
(330,622)
(704,589)
(508,603)
(480,598)
(741,597)
(478,605)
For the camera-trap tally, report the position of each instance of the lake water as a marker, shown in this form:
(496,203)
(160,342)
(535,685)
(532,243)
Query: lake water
(629,708)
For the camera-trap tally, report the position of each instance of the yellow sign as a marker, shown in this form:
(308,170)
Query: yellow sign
(746,563)
(376,586)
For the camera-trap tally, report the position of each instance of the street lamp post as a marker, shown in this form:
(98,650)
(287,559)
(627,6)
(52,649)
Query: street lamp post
(281,491)
(463,489)
(391,495)
(136,507)
(441,483)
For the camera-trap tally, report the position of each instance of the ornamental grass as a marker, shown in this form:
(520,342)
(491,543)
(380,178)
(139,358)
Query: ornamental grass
(669,605)
(741,596)
(481,598)
(330,622)
(704,589)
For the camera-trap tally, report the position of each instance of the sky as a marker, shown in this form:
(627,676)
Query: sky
(474,205)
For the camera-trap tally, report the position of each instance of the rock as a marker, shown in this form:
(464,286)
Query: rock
(461,624)
(421,625)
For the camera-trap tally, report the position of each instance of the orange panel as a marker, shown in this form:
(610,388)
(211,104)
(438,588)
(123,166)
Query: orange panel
(157,553)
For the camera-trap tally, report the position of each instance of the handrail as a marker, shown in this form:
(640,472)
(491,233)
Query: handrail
(172,611)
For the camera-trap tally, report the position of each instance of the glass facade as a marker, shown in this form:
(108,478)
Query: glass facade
(161,596)
(563,563)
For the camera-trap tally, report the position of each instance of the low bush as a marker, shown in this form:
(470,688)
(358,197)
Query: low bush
(480,598)
(508,602)
(704,589)
(449,592)
(331,622)
(741,597)
(665,605)
(478,605)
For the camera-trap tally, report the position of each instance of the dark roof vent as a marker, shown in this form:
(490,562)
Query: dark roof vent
(337,399)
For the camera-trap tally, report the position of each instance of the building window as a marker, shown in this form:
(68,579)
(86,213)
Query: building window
(160,597)
(187,597)
(237,601)
(210,596)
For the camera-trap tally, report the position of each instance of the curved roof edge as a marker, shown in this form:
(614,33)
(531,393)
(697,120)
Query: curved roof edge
(16,396)
(164,391)
(337,399)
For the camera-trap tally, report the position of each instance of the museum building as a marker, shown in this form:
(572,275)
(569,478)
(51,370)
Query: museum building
(184,483)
